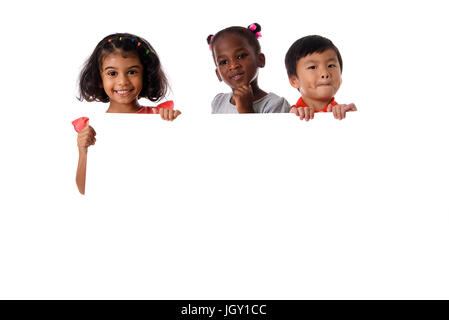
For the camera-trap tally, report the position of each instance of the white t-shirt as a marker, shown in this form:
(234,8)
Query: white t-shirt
(271,103)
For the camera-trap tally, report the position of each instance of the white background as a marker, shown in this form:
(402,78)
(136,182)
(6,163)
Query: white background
(249,206)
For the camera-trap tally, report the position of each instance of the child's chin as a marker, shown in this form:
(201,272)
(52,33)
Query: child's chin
(322,98)
(326,94)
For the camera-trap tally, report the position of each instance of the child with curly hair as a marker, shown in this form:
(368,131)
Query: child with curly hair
(122,68)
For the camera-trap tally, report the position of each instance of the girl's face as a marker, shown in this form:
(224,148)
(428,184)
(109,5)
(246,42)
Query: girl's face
(121,74)
(237,62)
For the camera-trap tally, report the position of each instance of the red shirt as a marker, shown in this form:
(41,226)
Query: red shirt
(167,104)
(301,104)
(80,123)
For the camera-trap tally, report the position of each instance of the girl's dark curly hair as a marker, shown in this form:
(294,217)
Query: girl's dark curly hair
(154,81)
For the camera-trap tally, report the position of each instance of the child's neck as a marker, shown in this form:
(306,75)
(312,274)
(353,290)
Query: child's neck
(115,107)
(317,105)
(257,92)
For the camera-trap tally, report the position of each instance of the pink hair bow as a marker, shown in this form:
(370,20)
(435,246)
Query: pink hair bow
(210,44)
(253,27)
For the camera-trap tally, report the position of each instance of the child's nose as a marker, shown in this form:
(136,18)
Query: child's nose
(325,75)
(234,64)
(123,79)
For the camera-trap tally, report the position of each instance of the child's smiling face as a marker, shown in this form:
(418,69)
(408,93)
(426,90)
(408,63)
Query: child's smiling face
(236,60)
(318,75)
(122,77)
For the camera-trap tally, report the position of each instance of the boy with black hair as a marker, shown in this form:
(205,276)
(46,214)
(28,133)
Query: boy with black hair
(314,66)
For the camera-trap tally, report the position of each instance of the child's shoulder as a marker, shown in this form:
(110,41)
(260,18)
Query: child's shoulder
(222,97)
(221,103)
(272,103)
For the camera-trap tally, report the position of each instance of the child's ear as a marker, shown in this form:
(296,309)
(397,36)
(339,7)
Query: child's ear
(218,75)
(261,60)
(294,82)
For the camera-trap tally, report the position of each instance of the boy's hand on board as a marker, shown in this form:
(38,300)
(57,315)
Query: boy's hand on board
(86,138)
(304,113)
(243,97)
(340,110)
(169,114)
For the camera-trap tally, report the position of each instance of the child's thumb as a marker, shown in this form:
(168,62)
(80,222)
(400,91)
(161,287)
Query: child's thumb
(351,107)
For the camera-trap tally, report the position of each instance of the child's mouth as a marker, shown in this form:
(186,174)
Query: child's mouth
(123,93)
(237,77)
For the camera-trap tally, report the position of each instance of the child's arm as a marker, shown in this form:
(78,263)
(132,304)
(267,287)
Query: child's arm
(244,97)
(86,138)
(340,110)
(81,172)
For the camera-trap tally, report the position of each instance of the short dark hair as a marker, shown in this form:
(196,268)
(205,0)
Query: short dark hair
(246,33)
(154,81)
(305,46)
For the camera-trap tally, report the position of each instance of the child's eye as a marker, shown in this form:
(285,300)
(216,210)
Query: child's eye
(332,66)
(222,62)
(241,56)
(132,72)
(311,67)
(112,73)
